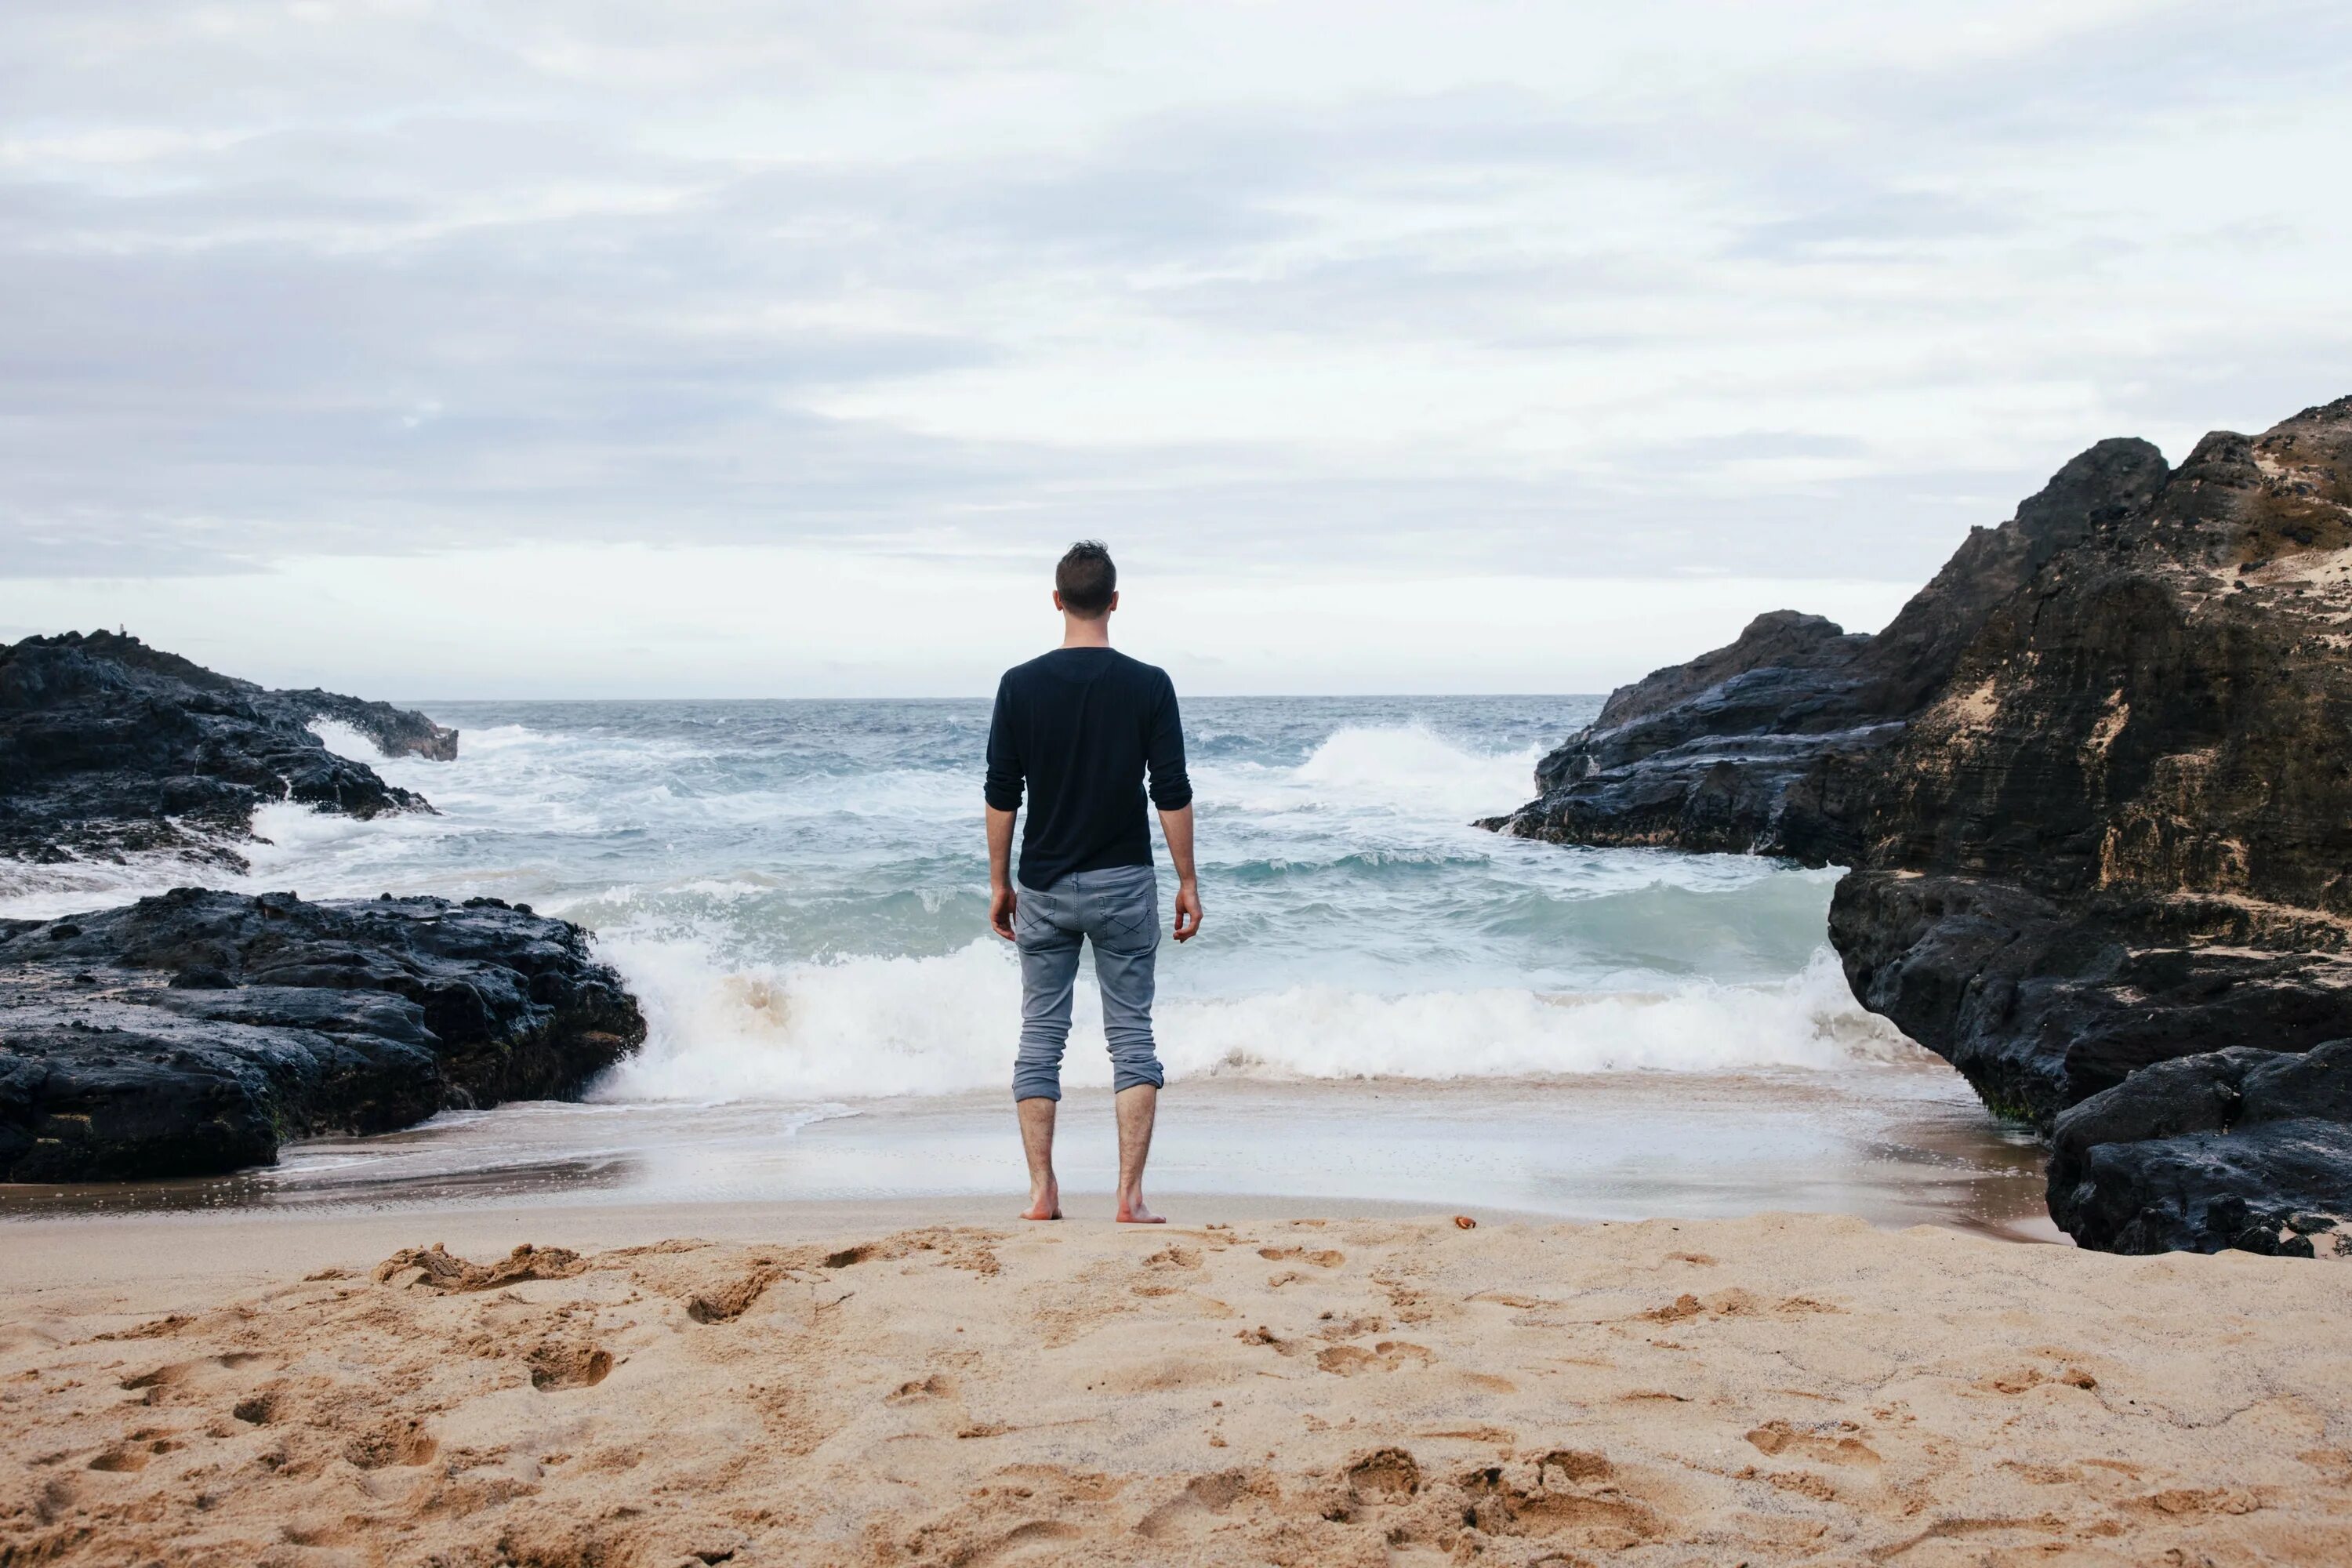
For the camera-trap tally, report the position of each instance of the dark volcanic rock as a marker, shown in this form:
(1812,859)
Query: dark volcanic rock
(2240,1148)
(1735,750)
(2122,832)
(1764,745)
(2042,1002)
(193,1031)
(2095,783)
(108,746)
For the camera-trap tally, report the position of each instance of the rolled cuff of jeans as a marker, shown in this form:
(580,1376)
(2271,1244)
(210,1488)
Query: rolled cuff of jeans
(1129,1075)
(1036,1086)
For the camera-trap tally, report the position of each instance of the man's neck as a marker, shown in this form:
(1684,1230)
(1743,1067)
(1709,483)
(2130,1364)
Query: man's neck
(1076,633)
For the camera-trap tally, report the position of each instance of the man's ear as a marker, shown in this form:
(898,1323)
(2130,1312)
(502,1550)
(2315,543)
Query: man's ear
(1114,603)
(1057,598)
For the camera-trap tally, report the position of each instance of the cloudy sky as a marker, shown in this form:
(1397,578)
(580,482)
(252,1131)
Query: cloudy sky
(581,347)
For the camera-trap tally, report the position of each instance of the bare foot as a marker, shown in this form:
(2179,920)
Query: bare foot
(1136,1213)
(1045,1204)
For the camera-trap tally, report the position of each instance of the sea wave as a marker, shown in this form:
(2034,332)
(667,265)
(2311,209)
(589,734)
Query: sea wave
(1389,769)
(860,1027)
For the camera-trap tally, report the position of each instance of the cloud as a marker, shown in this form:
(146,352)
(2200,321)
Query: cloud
(1681,289)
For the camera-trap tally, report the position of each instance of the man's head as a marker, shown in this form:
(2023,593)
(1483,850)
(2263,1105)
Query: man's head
(1086,583)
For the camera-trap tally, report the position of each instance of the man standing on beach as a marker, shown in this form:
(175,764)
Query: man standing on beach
(1081,726)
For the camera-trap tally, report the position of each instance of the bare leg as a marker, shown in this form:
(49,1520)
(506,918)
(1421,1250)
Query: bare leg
(1037,1143)
(1138,1107)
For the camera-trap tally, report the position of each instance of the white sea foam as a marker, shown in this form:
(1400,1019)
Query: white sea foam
(867,1027)
(346,741)
(1392,769)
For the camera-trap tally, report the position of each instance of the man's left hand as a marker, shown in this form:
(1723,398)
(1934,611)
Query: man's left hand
(1188,911)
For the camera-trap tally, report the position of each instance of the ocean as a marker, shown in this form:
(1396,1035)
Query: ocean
(1385,1004)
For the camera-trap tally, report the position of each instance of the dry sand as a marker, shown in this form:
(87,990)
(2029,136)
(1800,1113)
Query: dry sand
(1366,1390)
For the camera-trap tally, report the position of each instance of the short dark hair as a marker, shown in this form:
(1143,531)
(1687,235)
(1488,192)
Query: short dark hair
(1085,579)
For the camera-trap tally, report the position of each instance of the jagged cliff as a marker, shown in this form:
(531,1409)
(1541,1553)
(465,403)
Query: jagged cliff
(2095,785)
(107,747)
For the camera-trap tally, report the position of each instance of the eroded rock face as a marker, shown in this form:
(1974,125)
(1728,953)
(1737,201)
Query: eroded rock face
(1770,744)
(2145,760)
(109,747)
(2240,1148)
(2042,1002)
(2095,783)
(192,1033)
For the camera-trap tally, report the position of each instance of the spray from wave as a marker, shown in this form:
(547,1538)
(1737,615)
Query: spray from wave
(865,1028)
(1388,770)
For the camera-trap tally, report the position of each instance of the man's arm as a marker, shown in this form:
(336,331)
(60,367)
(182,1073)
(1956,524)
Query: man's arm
(1002,791)
(1171,792)
(1002,900)
(1177,826)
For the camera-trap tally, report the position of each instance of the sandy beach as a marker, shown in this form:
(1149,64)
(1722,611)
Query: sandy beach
(837,1385)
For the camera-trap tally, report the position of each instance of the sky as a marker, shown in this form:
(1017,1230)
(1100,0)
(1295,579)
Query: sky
(582,348)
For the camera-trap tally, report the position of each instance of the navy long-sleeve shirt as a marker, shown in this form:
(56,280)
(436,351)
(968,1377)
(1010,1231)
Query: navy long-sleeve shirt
(1081,726)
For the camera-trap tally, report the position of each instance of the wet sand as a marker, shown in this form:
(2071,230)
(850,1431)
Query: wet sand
(838,1384)
(1894,1144)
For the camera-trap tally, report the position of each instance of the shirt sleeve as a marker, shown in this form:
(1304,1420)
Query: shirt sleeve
(1005,771)
(1164,755)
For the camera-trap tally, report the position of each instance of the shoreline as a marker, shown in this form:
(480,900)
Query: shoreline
(1895,1144)
(829,1385)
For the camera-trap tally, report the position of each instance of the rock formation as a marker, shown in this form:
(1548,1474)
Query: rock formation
(2095,785)
(107,747)
(1761,745)
(2242,1147)
(192,1033)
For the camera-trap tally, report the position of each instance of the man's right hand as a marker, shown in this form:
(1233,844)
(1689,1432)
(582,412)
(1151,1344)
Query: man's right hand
(1002,902)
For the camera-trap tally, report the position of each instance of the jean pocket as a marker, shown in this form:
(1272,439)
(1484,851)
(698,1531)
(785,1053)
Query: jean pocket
(1130,928)
(1027,923)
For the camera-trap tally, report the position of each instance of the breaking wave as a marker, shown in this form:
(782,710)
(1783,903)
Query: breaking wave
(881,1026)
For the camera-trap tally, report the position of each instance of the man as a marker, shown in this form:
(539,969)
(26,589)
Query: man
(1081,726)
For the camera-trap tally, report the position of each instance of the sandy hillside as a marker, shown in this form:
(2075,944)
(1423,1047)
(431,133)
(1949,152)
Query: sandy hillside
(1781,1389)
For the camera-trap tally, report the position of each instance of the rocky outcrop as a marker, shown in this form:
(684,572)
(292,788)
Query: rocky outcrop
(2095,784)
(194,1032)
(1770,744)
(1745,748)
(2240,1148)
(2042,1001)
(109,747)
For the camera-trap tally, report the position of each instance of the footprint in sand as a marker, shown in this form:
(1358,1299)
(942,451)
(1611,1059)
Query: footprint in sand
(1574,1494)
(1832,1445)
(153,1386)
(939,1385)
(1384,1475)
(1326,1257)
(554,1367)
(1023,1542)
(1573,1465)
(725,1303)
(2034,1378)
(1210,1495)
(1388,1355)
(399,1441)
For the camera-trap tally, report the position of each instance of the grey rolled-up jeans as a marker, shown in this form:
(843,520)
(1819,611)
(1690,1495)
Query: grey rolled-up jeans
(1116,910)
